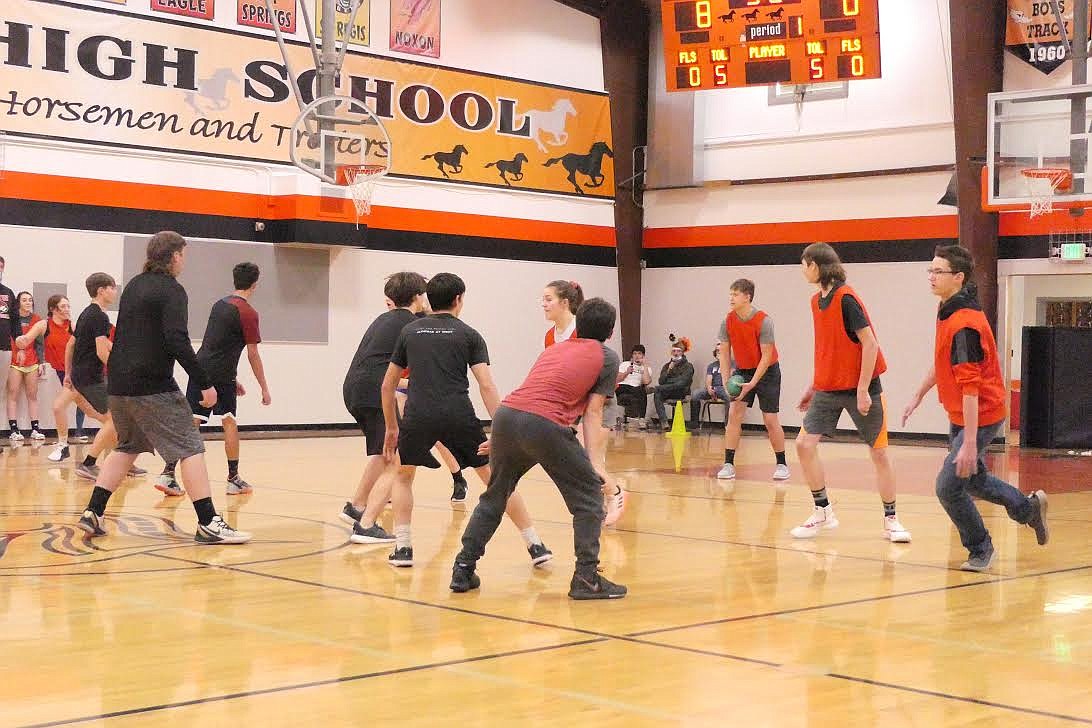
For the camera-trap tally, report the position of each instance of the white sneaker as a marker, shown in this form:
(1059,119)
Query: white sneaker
(35,435)
(616,505)
(59,453)
(727,472)
(894,530)
(781,472)
(821,518)
(16,436)
(218,531)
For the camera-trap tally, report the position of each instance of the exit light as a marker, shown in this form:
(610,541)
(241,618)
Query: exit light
(1073,251)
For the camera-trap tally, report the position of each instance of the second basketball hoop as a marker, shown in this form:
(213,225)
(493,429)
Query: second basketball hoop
(339,141)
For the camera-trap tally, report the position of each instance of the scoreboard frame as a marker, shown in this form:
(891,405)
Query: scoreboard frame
(711,44)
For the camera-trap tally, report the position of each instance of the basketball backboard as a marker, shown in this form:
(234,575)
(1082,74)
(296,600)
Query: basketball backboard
(1037,140)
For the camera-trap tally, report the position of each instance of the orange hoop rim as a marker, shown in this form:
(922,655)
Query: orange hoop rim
(348,174)
(1060,176)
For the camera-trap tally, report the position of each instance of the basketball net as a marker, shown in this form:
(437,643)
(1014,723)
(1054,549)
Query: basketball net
(1042,183)
(361,180)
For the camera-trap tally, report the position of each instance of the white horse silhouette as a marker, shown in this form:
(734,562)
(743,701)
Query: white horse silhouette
(211,94)
(552,122)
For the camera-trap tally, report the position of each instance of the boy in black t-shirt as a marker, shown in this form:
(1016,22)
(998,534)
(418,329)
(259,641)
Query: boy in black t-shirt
(232,327)
(438,349)
(361,391)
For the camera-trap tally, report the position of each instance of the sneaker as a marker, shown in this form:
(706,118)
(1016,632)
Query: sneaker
(781,472)
(1038,519)
(350,514)
(539,554)
(167,485)
(35,435)
(894,531)
(979,563)
(821,518)
(60,453)
(218,531)
(135,472)
(16,436)
(595,587)
(401,556)
(616,505)
(458,492)
(642,424)
(238,486)
(463,578)
(726,472)
(79,439)
(375,534)
(91,522)
(88,472)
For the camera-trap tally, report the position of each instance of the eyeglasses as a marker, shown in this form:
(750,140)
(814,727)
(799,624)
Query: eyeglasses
(938,272)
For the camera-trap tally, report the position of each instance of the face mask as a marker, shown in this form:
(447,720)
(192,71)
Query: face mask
(677,358)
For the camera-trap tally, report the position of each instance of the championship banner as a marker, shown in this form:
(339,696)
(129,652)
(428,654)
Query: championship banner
(1034,35)
(162,83)
(415,27)
(360,33)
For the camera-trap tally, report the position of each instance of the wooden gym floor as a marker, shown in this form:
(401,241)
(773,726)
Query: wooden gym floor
(729,620)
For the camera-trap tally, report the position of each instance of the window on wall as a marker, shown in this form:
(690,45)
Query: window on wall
(789,94)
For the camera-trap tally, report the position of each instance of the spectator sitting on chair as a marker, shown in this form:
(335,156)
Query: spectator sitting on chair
(634,376)
(713,391)
(676,378)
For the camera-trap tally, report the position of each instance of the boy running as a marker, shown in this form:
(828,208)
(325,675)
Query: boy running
(534,425)
(967,374)
(748,333)
(848,365)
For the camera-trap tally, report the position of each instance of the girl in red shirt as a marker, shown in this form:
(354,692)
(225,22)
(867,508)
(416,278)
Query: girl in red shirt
(27,367)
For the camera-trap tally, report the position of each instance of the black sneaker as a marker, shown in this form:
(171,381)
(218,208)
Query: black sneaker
(350,514)
(463,578)
(91,522)
(595,587)
(375,534)
(458,493)
(1038,520)
(539,554)
(401,556)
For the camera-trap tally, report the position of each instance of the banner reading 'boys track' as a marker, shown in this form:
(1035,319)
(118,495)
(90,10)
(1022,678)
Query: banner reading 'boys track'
(105,76)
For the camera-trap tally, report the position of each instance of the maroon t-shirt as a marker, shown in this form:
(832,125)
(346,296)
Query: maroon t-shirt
(563,378)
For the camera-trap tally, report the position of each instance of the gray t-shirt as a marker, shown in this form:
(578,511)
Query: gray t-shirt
(765,332)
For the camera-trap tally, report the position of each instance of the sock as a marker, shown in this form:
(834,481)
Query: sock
(820,497)
(729,456)
(99,498)
(402,537)
(232,469)
(14,425)
(529,536)
(168,469)
(206,511)
(888,508)
(34,425)
(458,476)
(780,458)
(90,461)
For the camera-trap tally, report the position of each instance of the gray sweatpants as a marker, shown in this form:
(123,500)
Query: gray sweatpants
(520,441)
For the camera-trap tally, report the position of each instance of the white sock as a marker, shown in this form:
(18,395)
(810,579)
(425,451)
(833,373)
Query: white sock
(529,536)
(402,536)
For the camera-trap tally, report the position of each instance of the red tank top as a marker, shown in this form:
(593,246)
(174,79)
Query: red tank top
(838,357)
(744,337)
(56,339)
(31,351)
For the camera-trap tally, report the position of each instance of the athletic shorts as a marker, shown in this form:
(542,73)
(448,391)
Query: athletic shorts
(768,389)
(373,426)
(96,396)
(227,401)
(60,376)
(156,422)
(461,435)
(32,369)
(826,409)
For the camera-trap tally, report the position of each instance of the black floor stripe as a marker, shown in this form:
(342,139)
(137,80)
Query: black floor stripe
(313,684)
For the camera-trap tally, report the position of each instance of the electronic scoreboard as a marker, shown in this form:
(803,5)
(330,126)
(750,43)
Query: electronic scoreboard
(710,44)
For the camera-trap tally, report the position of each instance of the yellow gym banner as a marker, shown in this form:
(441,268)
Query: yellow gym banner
(101,75)
(360,33)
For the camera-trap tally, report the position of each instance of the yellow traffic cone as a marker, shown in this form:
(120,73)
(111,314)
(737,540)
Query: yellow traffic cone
(678,448)
(678,424)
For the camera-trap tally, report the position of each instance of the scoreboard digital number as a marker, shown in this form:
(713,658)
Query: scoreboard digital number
(711,44)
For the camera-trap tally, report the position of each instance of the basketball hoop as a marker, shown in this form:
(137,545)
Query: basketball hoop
(1042,183)
(361,179)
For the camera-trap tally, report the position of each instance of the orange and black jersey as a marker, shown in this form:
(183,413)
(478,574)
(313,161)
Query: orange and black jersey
(838,317)
(966,361)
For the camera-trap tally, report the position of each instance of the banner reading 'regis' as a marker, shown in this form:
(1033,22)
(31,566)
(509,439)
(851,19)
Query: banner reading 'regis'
(104,76)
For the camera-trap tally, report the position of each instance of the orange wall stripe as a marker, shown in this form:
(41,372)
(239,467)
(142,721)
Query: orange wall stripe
(786,233)
(135,195)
